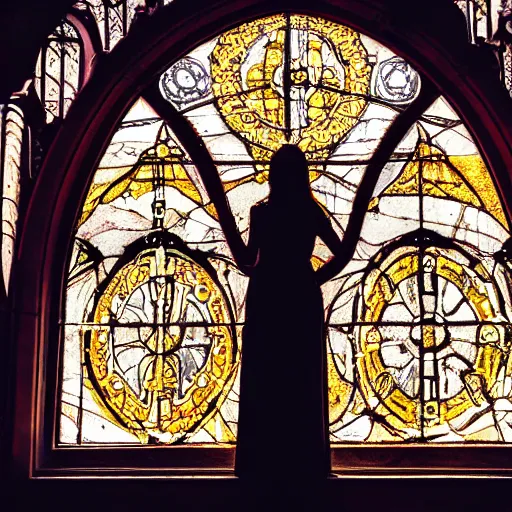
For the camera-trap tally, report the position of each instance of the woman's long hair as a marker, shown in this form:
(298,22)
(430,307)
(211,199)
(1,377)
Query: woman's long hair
(289,177)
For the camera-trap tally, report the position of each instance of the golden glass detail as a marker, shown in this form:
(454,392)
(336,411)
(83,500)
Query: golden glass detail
(463,178)
(439,178)
(290,79)
(173,317)
(161,164)
(474,170)
(416,380)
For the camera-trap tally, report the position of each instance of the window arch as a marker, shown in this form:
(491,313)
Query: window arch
(59,71)
(192,349)
(337,108)
(12,131)
(396,131)
(113,18)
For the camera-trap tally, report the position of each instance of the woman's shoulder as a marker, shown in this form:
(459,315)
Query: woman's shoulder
(319,210)
(260,204)
(259,208)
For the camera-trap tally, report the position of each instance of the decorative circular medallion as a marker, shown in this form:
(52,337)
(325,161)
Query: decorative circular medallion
(185,82)
(429,344)
(397,81)
(162,353)
(290,79)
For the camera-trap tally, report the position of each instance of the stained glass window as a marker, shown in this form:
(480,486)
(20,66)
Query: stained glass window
(152,300)
(487,24)
(419,330)
(418,321)
(479,20)
(11,142)
(59,70)
(113,17)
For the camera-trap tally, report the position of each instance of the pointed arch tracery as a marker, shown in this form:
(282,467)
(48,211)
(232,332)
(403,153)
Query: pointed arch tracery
(59,71)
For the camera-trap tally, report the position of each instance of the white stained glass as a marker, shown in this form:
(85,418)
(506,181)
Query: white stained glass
(114,18)
(418,337)
(12,118)
(119,211)
(417,344)
(57,75)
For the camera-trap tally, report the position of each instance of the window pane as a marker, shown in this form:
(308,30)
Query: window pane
(11,142)
(113,18)
(418,320)
(150,351)
(419,333)
(57,76)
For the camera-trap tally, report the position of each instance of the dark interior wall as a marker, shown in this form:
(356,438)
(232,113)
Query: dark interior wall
(347,495)
(23,28)
(24,25)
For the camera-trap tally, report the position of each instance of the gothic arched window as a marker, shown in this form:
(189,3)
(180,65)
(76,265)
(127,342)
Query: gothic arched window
(142,341)
(59,71)
(419,319)
(12,129)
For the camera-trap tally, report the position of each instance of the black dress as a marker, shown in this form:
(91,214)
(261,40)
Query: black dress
(282,430)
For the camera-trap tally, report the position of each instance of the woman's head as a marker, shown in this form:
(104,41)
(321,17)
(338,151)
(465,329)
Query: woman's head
(289,175)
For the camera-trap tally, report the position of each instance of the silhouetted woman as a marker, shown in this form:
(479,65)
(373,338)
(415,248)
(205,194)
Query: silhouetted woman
(283,420)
